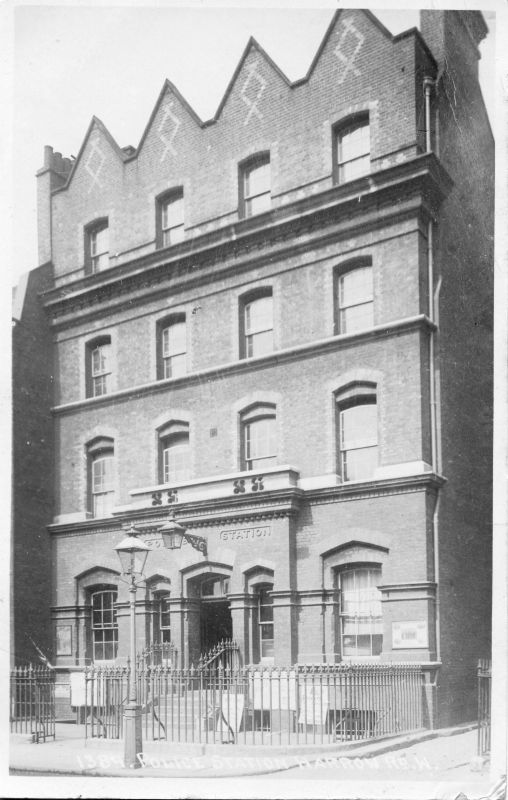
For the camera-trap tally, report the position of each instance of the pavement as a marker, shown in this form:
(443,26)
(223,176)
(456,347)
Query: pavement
(436,765)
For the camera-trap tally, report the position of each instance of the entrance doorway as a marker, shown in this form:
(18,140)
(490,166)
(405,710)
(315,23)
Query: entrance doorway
(216,623)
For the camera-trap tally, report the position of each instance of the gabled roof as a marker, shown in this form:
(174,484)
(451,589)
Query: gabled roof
(252,44)
(95,123)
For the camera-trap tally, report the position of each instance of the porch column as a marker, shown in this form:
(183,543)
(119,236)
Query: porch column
(191,632)
(284,626)
(241,605)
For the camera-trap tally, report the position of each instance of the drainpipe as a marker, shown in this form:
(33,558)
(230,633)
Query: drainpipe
(435,450)
(428,85)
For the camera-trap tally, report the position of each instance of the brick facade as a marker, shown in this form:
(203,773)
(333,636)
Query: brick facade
(423,516)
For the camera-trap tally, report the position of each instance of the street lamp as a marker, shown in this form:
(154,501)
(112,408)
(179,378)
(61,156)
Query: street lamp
(132,554)
(173,535)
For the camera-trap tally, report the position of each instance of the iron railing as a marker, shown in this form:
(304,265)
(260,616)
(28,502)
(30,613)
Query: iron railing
(158,654)
(255,705)
(484,673)
(32,708)
(224,655)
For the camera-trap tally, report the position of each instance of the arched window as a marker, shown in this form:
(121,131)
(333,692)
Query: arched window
(256,323)
(174,453)
(354,299)
(259,436)
(97,246)
(98,367)
(172,347)
(255,185)
(361,623)
(357,432)
(170,218)
(101,476)
(352,149)
(104,625)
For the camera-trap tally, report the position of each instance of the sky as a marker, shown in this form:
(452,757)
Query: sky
(80,59)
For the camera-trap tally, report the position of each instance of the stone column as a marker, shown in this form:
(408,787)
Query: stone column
(284,624)
(191,632)
(241,605)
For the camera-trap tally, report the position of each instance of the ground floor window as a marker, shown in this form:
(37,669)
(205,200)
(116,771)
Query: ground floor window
(104,625)
(164,618)
(361,624)
(265,623)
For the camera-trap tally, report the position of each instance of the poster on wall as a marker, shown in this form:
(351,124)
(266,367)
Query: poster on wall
(63,640)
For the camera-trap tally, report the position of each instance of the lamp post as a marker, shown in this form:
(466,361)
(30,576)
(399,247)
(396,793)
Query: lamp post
(132,554)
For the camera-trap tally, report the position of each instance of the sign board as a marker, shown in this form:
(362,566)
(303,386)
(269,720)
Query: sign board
(232,706)
(313,704)
(410,635)
(245,534)
(274,691)
(63,635)
(81,690)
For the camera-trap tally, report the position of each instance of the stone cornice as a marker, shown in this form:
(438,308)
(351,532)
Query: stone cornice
(272,234)
(359,491)
(285,355)
(205,513)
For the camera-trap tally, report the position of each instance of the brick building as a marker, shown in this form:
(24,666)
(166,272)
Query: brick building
(277,325)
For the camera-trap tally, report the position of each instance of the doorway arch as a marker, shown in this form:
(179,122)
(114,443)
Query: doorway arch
(207,588)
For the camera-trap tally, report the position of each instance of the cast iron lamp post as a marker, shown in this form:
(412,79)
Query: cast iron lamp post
(132,554)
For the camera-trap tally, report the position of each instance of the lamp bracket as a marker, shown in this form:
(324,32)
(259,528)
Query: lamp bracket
(197,542)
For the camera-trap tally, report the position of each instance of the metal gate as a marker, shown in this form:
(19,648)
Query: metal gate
(33,702)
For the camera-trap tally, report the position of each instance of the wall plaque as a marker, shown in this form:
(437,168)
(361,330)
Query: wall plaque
(410,635)
(244,534)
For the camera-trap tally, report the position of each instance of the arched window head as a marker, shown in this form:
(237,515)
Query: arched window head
(352,149)
(170,218)
(361,620)
(256,328)
(174,453)
(255,185)
(172,346)
(259,437)
(357,432)
(98,367)
(101,476)
(354,299)
(97,246)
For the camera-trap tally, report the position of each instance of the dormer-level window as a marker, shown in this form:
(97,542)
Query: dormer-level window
(97,247)
(170,213)
(352,143)
(255,179)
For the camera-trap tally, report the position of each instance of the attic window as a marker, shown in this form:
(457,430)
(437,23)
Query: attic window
(97,246)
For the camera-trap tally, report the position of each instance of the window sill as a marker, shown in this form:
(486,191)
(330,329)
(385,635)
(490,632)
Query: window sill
(275,358)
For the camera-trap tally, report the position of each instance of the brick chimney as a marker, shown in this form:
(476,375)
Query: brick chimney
(51,176)
(453,38)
